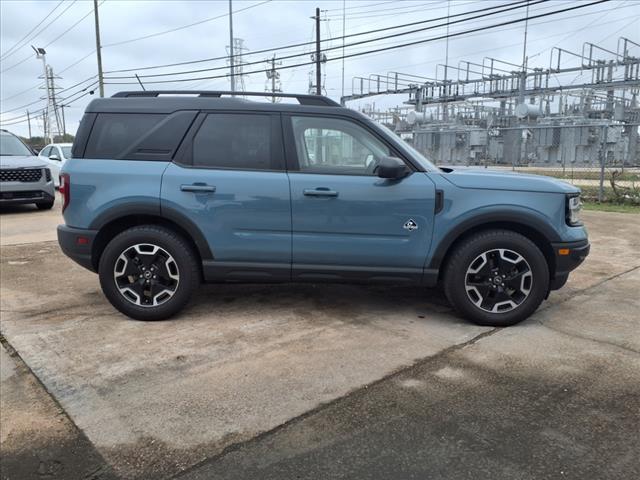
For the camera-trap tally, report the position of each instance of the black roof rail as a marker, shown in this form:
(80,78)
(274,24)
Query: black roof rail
(303,99)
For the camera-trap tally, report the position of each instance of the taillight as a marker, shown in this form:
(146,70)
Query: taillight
(65,189)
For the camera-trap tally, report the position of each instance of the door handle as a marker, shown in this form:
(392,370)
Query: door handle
(319,192)
(198,188)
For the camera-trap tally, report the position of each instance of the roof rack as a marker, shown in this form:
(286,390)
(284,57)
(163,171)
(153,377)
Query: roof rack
(303,99)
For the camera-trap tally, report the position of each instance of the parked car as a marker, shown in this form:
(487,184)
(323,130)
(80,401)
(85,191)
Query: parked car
(54,155)
(165,190)
(24,178)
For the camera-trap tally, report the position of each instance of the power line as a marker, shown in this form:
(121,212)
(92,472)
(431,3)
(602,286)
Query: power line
(35,36)
(15,45)
(66,100)
(512,6)
(308,43)
(356,15)
(157,34)
(40,100)
(393,47)
(361,42)
(361,6)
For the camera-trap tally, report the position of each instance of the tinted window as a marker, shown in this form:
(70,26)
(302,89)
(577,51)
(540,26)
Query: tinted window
(115,133)
(234,141)
(336,146)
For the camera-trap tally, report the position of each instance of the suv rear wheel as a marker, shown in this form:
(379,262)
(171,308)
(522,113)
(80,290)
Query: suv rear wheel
(496,278)
(148,272)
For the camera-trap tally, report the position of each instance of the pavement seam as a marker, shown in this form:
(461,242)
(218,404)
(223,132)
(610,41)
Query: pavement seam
(398,372)
(21,364)
(323,406)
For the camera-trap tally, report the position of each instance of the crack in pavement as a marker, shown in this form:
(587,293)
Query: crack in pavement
(323,406)
(398,372)
(358,390)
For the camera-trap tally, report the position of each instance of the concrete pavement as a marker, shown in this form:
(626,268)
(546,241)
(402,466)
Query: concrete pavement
(155,399)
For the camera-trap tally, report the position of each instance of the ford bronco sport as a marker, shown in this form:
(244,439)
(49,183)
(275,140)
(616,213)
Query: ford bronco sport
(166,190)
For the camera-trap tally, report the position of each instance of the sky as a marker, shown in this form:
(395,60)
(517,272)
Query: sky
(137,34)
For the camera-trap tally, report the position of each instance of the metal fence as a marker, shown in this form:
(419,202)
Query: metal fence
(603,159)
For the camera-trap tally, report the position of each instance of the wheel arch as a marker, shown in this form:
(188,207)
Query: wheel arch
(540,234)
(115,225)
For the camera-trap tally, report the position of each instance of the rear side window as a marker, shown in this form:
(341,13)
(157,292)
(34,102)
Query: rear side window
(114,133)
(235,141)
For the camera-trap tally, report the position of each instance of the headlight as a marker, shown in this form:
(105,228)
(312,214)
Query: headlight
(574,205)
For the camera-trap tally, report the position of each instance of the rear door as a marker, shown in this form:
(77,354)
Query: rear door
(230,182)
(347,223)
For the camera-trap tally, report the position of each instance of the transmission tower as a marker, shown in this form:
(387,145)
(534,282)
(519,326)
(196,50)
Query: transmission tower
(273,83)
(236,63)
(51,126)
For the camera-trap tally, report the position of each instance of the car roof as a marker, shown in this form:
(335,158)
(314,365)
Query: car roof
(166,102)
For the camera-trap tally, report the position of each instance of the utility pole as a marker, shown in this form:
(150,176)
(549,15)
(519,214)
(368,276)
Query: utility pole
(98,48)
(318,73)
(343,34)
(273,76)
(231,59)
(29,122)
(523,80)
(64,123)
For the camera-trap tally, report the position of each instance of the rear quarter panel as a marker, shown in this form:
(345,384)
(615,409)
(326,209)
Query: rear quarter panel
(105,189)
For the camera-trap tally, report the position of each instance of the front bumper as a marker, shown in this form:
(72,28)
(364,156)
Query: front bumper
(16,192)
(25,196)
(568,256)
(77,244)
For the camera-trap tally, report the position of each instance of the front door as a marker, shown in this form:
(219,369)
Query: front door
(347,223)
(234,188)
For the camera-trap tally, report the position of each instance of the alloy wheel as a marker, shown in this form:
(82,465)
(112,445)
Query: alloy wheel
(498,280)
(146,275)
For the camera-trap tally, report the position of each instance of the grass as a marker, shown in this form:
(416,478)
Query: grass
(580,174)
(611,207)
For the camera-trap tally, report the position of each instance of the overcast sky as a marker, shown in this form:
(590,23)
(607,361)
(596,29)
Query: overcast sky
(70,42)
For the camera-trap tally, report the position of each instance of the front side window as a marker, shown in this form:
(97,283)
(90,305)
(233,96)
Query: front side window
(235,141)
(66,152)
(336,146)
(46,151)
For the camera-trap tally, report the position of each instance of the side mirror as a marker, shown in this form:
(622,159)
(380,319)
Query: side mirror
(54,157)
(391,167)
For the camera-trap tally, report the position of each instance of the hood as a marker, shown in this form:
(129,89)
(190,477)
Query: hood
(15,161)
(497,180)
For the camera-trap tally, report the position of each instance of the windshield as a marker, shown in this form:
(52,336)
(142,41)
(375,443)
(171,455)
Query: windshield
(415,154)
(12,146)
(66,151)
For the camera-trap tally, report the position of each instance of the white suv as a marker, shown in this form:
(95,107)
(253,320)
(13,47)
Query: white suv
(54,155)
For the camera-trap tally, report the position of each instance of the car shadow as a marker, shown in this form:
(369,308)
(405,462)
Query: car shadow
(15,209)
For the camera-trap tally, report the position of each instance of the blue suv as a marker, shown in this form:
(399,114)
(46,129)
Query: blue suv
(169,189)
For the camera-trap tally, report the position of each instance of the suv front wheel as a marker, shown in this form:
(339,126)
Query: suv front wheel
(148,272)
(496,278)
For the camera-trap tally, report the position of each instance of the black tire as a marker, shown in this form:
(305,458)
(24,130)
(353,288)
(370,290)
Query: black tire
(492,252)
(45,205)
(181,263)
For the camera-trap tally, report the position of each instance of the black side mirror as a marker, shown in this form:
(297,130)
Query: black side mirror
(391,167)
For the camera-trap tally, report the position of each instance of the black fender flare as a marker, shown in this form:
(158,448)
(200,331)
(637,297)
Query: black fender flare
(527,221)
(167,214)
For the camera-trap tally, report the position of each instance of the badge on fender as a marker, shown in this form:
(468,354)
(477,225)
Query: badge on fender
(410,225)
